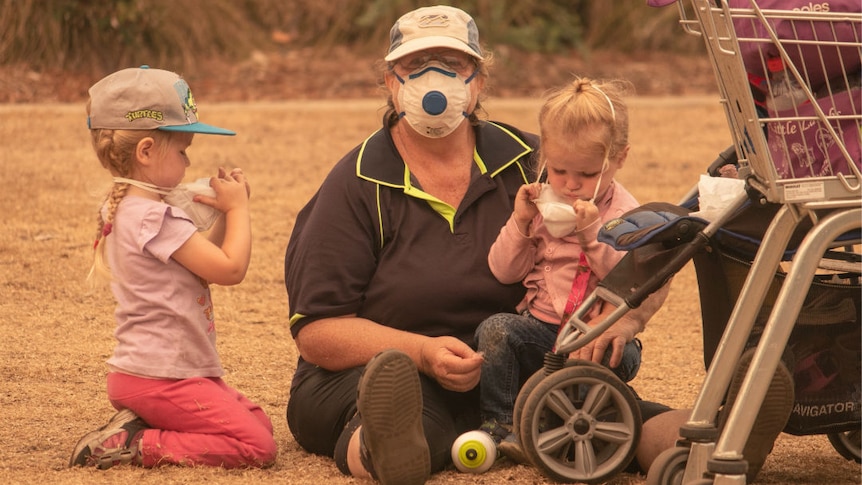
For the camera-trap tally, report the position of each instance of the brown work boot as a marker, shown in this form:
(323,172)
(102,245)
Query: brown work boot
(392,439)
(771,418)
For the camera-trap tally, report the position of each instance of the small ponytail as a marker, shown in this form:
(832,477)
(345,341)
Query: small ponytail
(584,103)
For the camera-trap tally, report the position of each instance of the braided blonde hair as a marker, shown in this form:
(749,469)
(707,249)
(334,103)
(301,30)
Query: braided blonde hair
(115,150)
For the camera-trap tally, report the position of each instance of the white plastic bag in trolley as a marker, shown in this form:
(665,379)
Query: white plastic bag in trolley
(715,194)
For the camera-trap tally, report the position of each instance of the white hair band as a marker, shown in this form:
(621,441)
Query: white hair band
(613,111)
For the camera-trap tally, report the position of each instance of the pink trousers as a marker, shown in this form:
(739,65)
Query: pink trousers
(196,421)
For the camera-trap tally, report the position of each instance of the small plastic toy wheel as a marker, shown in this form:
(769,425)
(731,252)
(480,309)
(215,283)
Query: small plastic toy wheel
(474,452)
(848,444)
(580,424)
(668,467)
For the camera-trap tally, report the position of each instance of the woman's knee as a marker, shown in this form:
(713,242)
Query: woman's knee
(309,433)
(319,407)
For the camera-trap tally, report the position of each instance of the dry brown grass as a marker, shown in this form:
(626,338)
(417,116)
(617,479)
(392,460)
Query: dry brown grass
(57,333)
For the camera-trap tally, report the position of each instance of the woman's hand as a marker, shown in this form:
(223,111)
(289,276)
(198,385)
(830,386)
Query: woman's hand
(451,362)
(615,338)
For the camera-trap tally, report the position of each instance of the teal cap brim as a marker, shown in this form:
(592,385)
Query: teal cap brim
(198,127)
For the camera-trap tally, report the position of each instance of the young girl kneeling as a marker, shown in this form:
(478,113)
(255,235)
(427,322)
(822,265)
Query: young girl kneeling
(165,375)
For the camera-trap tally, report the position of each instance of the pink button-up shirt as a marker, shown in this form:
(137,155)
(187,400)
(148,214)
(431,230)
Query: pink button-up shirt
(547,265)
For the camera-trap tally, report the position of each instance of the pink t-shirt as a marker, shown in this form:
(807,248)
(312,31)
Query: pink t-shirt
(165,320)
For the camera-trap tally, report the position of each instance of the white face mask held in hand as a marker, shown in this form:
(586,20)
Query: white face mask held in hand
(182,197)
(559,215)
(434,100)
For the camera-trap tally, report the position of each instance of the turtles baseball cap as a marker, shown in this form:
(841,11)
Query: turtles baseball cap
(141,98)
(428,27)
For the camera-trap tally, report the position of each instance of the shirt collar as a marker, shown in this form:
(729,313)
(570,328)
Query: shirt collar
(496,149)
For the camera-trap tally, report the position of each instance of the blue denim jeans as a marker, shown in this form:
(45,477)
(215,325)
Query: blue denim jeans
(514,347)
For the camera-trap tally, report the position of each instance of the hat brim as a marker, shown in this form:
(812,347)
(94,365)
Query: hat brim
(198,127)
(430,42)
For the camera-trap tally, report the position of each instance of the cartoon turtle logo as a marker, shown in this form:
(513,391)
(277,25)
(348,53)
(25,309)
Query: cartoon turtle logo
(188,99)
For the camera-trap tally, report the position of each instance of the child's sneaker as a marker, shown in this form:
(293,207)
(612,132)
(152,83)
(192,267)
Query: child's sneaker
(771,418)
(115,443)
(504,438)
(511,448)
(392,440)
(496,429)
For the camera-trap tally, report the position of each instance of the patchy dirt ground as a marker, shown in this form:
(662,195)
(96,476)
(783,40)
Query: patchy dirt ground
(296,113)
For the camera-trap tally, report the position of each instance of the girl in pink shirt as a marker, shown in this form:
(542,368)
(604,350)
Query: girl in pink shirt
(549,243)
(165,377)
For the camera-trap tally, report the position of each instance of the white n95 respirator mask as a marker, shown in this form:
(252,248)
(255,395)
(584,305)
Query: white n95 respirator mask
(434,100)
(182,197)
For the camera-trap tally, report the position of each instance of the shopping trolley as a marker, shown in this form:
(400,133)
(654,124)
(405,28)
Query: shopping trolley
(804,156)
(801,163)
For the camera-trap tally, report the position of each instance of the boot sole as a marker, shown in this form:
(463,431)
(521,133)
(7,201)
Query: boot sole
(390,403)
(771,418)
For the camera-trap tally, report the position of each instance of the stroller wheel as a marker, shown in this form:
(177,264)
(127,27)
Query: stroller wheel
(848,444)
(525,391)
(580,424)
(668,467)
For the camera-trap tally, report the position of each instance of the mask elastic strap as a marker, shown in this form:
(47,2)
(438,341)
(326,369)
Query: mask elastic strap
(541,170)
(605,162)
(599,183)
(143,185)
(475,72)
(428,68)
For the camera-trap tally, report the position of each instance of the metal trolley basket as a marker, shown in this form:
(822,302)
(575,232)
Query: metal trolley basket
(575,420)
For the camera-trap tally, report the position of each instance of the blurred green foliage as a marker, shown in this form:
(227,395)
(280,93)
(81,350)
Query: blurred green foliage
(104,35)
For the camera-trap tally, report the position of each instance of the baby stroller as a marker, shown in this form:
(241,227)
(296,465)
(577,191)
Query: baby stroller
(797,278)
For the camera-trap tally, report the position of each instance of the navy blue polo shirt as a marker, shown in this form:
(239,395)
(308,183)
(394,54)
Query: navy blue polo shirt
(372,243)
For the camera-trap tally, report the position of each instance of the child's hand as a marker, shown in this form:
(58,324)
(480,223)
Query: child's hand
(525,208)
(234,173)
(232,191)
(586,213)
